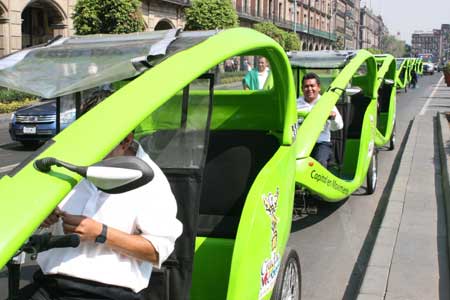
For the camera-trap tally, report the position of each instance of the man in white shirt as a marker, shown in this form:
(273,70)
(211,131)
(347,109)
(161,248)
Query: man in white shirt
(123,236)
(322,151)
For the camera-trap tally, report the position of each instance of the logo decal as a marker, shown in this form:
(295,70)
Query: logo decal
(271,265)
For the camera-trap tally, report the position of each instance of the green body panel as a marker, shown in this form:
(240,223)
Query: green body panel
(29,196)
(402,82)
(212,264)
(330,187)
(309,172)
(386,121)
(262,235)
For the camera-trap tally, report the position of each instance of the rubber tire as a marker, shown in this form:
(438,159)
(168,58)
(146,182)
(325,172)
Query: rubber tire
(290,256)
(392,140)
(371,175)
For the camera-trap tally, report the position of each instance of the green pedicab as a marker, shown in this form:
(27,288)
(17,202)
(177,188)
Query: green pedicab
(402,77)
(348,80)
(232,157)
(386,101)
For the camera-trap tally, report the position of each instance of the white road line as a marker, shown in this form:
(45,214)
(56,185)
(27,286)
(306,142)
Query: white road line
(8,168)
(425,106)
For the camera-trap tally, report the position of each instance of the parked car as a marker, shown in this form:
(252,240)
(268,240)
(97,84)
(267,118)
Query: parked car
(35,124)
(428,68)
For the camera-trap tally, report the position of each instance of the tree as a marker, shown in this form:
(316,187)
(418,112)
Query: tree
(211,14)
(292,41)
(389,44)
(287,40)
(339,44)
(107,16)
(374,51)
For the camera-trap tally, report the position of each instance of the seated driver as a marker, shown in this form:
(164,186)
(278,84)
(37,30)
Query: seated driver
(123,236)
(322,151)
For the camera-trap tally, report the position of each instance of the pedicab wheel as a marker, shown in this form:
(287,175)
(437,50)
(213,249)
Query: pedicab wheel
(392,140)
(372,174)
(288,284)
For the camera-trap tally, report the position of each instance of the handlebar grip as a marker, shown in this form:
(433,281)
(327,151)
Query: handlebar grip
(63,241)
(43,242)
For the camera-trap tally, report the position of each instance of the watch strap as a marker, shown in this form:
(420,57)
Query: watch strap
(101,238)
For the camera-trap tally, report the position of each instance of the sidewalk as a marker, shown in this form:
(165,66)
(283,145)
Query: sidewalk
(4,118)
(410,256)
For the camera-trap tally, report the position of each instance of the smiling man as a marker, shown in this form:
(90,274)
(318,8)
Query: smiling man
(322,151)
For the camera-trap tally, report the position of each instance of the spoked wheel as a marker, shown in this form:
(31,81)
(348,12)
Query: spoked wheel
(372,174)
(392,140)
(288,284)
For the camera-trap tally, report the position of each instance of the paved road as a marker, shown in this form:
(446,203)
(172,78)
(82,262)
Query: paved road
(11,153)
(334,246)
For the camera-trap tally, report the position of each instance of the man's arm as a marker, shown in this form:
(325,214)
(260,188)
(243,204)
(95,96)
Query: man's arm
(336,120)
(128,244)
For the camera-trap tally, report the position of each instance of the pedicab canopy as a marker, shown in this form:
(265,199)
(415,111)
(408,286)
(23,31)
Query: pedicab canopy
(320,59)
(68,65)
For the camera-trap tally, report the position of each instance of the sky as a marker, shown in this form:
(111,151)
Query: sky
(407,16)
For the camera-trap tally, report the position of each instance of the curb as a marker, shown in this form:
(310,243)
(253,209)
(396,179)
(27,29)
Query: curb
(444,148)
(374,283)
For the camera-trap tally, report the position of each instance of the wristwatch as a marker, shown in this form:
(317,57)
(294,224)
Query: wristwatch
(101,238)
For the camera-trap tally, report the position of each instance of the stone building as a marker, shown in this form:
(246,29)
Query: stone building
(347,22)
(372,29)
(25,23)
(427,42)
(313,20)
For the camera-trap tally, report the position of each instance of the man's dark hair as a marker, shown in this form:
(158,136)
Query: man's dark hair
(311,75)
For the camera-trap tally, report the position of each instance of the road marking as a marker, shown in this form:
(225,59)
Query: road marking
(425,106)
(8,168)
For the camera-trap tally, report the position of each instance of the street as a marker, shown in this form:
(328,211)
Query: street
(333,245)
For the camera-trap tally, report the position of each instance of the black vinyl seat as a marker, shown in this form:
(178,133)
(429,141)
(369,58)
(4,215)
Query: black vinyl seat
(233,161)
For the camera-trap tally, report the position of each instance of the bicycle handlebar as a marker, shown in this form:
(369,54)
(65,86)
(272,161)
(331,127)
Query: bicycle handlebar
(43,242)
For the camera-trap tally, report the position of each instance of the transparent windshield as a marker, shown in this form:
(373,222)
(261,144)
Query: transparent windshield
(79,63)
(175,134)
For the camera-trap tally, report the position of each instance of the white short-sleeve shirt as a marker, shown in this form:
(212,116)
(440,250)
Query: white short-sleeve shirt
(330,125)
(149,211)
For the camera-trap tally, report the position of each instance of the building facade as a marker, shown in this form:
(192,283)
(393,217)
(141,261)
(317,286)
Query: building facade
(312,20)
(372,29)
(347,22)
(427,42)
(25,23)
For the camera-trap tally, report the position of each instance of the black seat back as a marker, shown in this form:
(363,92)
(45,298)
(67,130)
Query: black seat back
(359,104)
(233,161)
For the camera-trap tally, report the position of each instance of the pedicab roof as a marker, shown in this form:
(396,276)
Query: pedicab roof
(67,65)
(320,59)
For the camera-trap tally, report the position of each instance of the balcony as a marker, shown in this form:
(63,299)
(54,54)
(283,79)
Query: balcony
(179,2)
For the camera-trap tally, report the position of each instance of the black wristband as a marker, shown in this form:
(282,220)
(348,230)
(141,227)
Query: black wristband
(101,238)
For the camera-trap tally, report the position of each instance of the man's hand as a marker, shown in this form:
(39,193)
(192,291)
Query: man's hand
(52,218)
(87,228)
(332,115)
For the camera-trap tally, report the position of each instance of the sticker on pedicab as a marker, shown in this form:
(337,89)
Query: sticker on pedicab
(271,265)
(294,129)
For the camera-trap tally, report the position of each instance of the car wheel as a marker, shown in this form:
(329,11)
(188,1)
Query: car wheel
(372,174)
(392,140)
(288,284)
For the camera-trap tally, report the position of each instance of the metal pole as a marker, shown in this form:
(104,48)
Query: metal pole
(295,16)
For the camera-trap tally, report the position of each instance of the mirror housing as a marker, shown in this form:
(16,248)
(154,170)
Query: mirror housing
(113,175)
(353,91)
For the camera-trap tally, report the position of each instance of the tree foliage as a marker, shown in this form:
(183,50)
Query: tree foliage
(339,44)
(374,51)
(107,16)
(389,44)
(211,14)
(287,40)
